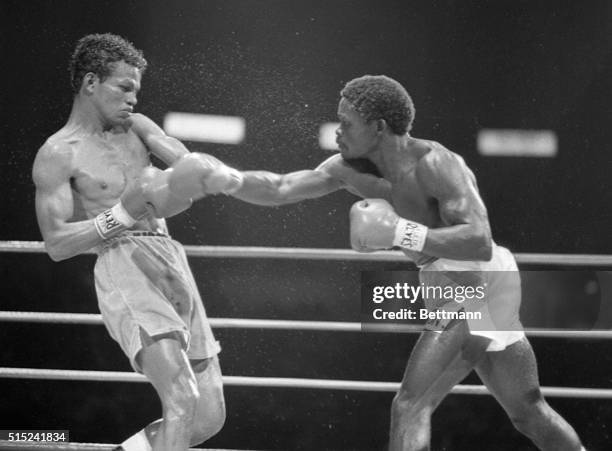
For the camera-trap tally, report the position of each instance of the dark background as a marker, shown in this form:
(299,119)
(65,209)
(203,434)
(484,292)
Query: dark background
(280,65)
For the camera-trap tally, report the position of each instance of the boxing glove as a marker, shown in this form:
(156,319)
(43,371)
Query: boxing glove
(123,214)
(149,193)
(374,225)
(196,174)
(160,200)
(167,193)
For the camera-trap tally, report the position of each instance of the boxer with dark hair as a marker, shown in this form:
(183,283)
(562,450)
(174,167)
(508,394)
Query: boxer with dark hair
(96,189)
(427,204)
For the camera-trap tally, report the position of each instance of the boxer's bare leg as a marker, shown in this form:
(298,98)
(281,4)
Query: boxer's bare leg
(512,377)
(438,362)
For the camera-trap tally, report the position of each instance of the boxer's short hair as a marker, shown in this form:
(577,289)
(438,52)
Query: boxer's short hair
(97,53)
(380,97)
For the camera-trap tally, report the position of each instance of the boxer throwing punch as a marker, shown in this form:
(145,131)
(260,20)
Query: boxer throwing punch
(96,188)
(427,203)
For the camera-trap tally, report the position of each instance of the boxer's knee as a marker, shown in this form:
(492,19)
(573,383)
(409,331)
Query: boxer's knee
(412,405)
(208,422)
(181,399)
(210,412)
(529,413)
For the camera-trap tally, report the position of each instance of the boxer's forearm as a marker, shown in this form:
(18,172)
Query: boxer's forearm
(54,210)
(375,226)
(270,189)
(71,239)
(263,188)
(166,148)
(459,242)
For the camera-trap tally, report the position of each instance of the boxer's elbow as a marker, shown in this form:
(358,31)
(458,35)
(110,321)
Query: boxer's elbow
(262,188)
(470,244)
(58,250)
(169,149)
(306,184)
(284,193)
(56,253)
(483,244)
(285,190)
(485,253)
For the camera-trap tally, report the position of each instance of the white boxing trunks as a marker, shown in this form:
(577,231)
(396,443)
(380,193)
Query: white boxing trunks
(144,283)
(495,314)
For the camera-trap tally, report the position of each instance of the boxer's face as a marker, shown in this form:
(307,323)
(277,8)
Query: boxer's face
(116,96)
(355,137)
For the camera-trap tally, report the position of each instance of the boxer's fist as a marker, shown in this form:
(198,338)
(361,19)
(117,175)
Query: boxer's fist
(167,193)
(373,224)
(147,194)
(133,200)
(132,206)
(196,174)
(160,200)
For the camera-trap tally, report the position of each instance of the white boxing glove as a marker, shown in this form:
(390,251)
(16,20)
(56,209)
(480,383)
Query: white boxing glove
(197,174)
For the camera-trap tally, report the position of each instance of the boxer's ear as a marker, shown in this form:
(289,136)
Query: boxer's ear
(381,125)
(89,82)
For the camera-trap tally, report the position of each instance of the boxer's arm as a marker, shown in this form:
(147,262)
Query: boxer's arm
(268,188)
(466,234)
(361,184)
(194,174)
(166,148)
(55,206)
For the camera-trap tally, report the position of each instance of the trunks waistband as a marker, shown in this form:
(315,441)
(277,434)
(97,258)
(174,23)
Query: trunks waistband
(141,233)
(425,264)
(128,234)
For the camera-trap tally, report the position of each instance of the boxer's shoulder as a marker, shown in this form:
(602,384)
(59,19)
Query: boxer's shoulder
(57,150)
(330,164)
(436,163)
(53,164)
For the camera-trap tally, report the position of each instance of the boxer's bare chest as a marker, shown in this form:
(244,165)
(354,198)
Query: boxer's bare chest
(103,165)
(411,201)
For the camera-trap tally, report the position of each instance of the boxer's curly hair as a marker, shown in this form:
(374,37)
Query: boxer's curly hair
(96,53)
(380,97)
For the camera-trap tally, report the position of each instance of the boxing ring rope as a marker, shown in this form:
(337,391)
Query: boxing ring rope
(331,326)
(330,254)
(275,382)
(321,326)
(286,382)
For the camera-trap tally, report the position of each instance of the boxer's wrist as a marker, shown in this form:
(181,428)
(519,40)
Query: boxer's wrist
(122,215)
(410,235)
(112,221)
